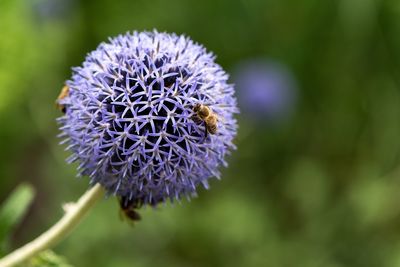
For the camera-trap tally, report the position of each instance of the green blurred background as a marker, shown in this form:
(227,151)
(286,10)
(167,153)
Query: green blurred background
(321,188)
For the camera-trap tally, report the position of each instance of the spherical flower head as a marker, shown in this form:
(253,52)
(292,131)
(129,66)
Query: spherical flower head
(129,117)
(266,89)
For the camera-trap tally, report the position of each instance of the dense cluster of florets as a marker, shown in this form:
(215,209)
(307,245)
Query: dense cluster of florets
(129,116)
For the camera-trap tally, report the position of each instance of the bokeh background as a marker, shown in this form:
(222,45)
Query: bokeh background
(316,177)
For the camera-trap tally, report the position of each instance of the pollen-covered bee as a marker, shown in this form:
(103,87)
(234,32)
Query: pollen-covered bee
(128,209)
(204,114)
(63,94)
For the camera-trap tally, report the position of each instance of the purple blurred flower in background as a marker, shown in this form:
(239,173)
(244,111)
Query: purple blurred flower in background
(53,9)
(266,90)
(129,116)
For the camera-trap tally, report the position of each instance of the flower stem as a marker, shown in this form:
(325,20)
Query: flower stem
(73,215)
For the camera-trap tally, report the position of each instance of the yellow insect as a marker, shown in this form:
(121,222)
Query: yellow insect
(63,94)
(206,115)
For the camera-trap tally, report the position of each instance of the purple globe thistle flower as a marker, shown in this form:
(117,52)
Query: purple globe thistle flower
(129,117)
(266,89)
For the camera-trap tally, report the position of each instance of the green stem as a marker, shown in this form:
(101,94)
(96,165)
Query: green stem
(73,215)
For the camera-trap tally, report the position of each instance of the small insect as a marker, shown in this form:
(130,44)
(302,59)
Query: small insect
(63,94)
(206,115)
(128,207)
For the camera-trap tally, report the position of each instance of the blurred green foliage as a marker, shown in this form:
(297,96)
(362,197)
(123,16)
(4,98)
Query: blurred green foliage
(12,212)
(321,189)
(47,258)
